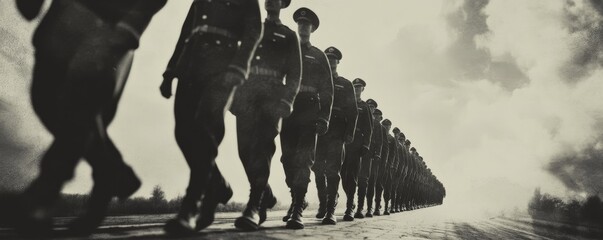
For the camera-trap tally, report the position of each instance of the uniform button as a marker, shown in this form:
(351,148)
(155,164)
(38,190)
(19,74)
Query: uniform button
(218,42)
(274,40)
(227,3)
(260,46)
(204,16)
(257,57)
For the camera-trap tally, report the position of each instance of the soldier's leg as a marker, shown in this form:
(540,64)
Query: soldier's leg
(351,179)
(370,193)
(319,169)
(301,163)
(363,178)
(333,168)
(255,134)
(79,93)
(289,140)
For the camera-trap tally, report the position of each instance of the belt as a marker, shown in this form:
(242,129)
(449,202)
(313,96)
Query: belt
(337,109)
(213,30)
(310,89)
(266,72)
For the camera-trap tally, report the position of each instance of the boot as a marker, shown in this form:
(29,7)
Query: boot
(369,208)
(290,211)
(121,186)
(321,186)
(268,202)
(332,197)
(377,207)
(220,193)
(299,204)
(386,208)
(182,225)
(330,218)
(250,221)
(349,211)
(361,198)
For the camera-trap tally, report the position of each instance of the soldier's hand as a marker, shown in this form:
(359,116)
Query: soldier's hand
(322,127)
(233,78)
(166,87)
(282,110)
(349,138)
(364,150)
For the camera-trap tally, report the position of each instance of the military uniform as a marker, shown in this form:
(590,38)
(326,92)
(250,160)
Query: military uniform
(375,151)
(382,176)
(366,164)
(329,150)
(212,55)
(355,152)
(311,109)
(392,163)
(399,172)
(259,104)
(83,55)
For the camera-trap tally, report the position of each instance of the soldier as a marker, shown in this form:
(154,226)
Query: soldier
(392,163)
(404,187)
(211,58)
(376,150)
(84,52)
(310,116)
(400,172)
(260,103)
(357,150)
(367,160)
(382,176)
(329,150)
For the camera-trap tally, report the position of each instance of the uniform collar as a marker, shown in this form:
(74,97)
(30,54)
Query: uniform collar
(307,45)
(276,22)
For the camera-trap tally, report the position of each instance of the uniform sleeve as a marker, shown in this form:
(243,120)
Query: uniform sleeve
(367,126)
(294,71)
(184,33)
(252,35)
(351,108)
(325,92)
(378,131)
(139,17)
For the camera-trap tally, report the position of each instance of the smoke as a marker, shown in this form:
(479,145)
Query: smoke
(468,26)
(581,171)
(584,22)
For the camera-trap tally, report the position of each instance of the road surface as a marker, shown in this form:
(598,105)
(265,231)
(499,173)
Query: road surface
(430,223)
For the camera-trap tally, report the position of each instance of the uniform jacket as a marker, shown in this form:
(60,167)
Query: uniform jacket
(316,81)
(377,139)
(240,18)
(344,103)
(364,126)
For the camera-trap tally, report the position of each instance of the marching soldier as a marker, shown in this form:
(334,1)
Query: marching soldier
(382,176)
(404,188)
(400,172)
(260,103)
(84,52)
(367,161)
(357,150)
(375,151)
(211,58)
(392,163)
(329,150)
(310,116)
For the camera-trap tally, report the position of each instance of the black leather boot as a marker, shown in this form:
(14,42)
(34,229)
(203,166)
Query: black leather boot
(290,211)
(321,188)
(122,185)
(250,221)
(349,211)
(182,225)
(386,208)
(332,198)
(299,204)
(219,192)
(268,202)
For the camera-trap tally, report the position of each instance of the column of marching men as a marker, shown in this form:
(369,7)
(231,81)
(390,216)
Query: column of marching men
(224,52)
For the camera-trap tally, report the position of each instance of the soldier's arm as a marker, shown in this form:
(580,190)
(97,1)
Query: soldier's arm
(252,35)
(367,127)
(184,33)
(294,71)
(325,92)
(351,109)
(379,139)
(139,17)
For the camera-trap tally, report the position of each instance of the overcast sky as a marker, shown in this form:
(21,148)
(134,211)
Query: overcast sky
(499,97)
